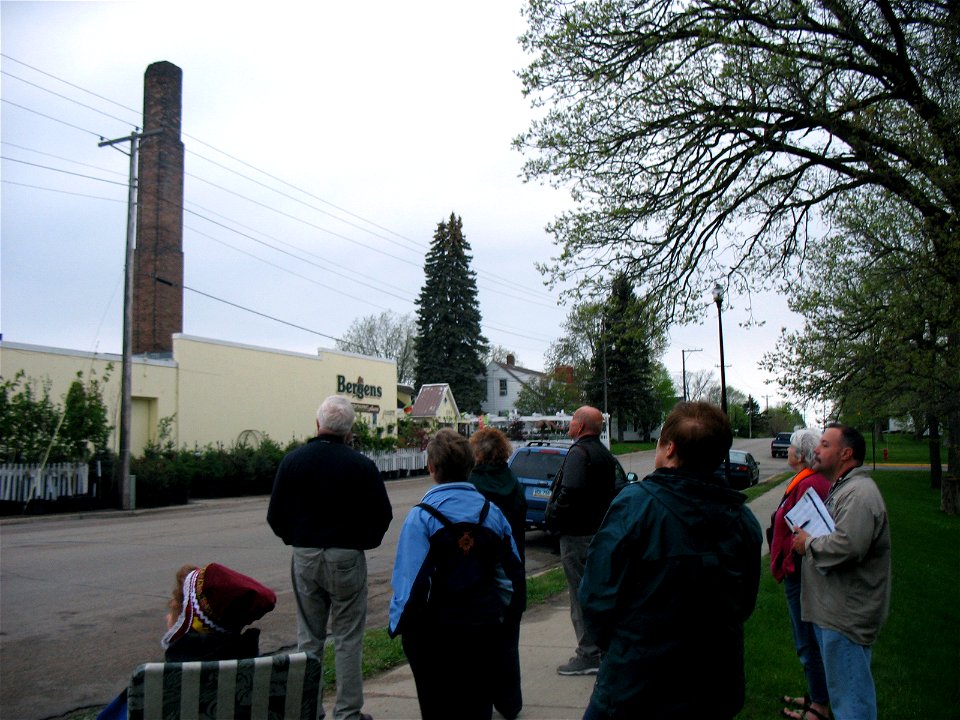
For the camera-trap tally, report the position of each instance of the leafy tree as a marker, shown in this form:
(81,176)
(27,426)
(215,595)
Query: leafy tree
(665,392)
(549,394)
(387,335)
(755,426)
(613,346)
(498,353)
(635,341)
(783,418)
(877,332)
(35,429)
(699,384)
(575,347)
(704,138)
(449,345)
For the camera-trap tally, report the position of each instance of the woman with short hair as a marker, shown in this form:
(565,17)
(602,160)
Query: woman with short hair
(785,566)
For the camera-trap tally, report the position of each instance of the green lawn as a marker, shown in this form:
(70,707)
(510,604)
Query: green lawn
(902,448)
(622,448)
(916,657)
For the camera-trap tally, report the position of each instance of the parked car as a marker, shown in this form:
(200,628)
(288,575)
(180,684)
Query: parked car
(744,470)
(536,464)
(780,444)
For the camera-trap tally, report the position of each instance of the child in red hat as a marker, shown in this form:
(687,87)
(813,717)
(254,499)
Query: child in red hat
(209,610)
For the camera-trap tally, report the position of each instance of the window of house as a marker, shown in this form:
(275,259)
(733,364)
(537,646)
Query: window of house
(503,387)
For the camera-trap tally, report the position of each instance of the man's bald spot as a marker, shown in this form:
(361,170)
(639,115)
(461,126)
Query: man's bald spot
(590,418)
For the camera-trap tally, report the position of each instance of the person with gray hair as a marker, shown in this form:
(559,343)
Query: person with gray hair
(329,502)
(336,416)
(785,566)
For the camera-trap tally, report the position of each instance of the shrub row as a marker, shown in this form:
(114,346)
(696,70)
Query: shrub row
(172,477)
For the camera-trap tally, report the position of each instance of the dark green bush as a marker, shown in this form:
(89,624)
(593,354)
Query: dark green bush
(167,476)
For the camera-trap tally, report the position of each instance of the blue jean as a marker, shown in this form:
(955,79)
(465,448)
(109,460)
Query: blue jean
(331,584)
(853,695)
(805,640)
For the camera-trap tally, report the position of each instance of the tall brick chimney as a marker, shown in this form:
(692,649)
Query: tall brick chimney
(158,258)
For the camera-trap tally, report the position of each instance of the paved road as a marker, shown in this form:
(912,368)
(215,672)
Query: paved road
(82,598)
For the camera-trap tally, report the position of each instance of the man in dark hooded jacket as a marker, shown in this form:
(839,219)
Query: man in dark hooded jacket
(671,576)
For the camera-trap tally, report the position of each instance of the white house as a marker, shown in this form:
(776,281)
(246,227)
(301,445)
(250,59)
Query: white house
(504,382)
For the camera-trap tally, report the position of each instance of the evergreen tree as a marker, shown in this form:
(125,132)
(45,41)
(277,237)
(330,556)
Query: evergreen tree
(449,345)
(625,361)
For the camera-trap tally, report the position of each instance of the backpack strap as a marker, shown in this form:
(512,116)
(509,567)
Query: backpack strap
(446,521)
(436,513)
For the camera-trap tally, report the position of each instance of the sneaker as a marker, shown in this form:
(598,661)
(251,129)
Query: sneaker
(580,666)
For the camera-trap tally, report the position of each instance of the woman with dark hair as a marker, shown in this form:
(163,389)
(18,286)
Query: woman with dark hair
(455,577)
(497,483)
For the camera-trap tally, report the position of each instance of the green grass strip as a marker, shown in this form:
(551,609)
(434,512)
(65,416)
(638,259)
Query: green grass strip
(916,656)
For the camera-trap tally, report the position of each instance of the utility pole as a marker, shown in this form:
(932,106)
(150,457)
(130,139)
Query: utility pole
(683,355)
(126,376)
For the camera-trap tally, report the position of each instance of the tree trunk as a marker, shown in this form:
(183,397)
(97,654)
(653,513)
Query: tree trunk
(950,487)
(936,467)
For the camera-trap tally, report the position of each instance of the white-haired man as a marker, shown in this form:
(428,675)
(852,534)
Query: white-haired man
(329,502)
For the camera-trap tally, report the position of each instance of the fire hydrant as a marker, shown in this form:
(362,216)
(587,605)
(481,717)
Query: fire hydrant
(886,454)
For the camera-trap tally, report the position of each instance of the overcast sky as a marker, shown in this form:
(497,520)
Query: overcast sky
(324,142)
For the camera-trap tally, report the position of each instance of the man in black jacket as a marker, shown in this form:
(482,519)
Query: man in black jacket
(671,577)
(581,494)
(330,504)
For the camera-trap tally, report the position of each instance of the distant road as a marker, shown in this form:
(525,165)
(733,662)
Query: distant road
(642,462)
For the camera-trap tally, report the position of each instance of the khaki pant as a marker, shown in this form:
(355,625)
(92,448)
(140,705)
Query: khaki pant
(331,584)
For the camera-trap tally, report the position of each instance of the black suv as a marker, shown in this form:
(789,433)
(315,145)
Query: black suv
(780,445)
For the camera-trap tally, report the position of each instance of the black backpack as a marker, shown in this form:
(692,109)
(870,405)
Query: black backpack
(462,569)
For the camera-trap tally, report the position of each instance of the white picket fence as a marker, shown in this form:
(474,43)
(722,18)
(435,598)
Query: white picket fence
(21,483)
(402,462)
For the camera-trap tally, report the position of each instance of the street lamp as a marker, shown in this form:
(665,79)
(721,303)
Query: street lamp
(718,299)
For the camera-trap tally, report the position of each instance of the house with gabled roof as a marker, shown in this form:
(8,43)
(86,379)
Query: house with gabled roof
(435,405)
(504,381)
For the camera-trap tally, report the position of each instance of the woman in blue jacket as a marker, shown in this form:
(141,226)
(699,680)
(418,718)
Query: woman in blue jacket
(449,612)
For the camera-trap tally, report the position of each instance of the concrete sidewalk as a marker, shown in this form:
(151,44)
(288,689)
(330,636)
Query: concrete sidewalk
(546,641)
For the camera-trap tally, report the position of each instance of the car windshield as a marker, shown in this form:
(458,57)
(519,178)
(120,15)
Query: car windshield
(538,465)
(738,456)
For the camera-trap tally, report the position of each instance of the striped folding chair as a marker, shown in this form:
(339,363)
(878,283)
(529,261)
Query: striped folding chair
(274,687)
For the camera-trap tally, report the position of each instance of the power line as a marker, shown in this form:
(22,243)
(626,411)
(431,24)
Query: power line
(50,117)
(515,288)
(60,157)
(245,309)
(64,97)
(63,192)
(66,82)
(65,172)
(296,274)
(418,245)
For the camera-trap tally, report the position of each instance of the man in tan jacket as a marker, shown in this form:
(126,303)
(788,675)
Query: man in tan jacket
(846,574)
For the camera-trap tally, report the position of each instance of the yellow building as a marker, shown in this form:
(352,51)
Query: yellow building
(212,391)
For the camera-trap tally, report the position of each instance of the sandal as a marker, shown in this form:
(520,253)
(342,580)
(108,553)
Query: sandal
(800,702)
(806,713)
